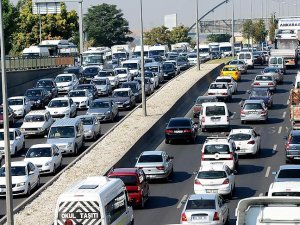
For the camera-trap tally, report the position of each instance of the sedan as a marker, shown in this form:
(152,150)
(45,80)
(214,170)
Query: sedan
(16,141)
(231,70)
(205,209)
(254,110)
(155,164)
(262,94)
(152,76)
(62,107)
(91,127)
(242,66)
(89,72)
(230,81)
(136,89)
(25,177)
(82,98)
(181,128)
(221,90)
(48,84)
(274,71)
(124,98)
(247,141)
(47,157)
(103,85)
(20,105)
(38,97)
(199,101)
(104,109)
(265,81)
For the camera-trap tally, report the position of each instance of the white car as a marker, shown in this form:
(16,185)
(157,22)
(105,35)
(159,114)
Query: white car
(20,105)
(16,140)
(221,90)
(230,81)
(66,82)
(25,177)
(247,141)
(113,78)
(123,74)
(215,178)
(47,157)
(91,127)
(82,98)
(62,107)
(37,123)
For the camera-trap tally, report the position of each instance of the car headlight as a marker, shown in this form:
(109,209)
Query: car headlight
(20,184)
(108,112)
(88,131)
(38,101)
(82,102)
(48,163)
(127,102)
(69,144)
(67,111)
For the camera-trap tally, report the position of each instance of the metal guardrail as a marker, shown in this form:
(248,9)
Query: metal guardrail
(20,63)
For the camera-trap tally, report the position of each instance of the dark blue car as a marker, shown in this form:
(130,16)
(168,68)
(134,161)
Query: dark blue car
(262,94)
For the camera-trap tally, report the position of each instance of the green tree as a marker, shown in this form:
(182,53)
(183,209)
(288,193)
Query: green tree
(218,37)
(54,26)
(272,27)
(247,30)
(105,25)
(259,31)
(157,35)
(10,13)
(179,34)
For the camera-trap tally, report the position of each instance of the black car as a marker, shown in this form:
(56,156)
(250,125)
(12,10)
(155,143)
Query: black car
(183,63)
(123,98)
(90,72)
(90,87)
(39,97)
(48,84)
(158,58)
(262,94)
(77,70)
(292,147)
(181,128)
(169,71)
(136,89)
(258,58)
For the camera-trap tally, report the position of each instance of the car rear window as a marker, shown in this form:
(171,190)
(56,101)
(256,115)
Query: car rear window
(263,78)
(224,80)
(240,137)
(179,123)
(218,86)
(150,158)
(203,100)
(294,139)
(230,69)
(129,180)
(289,173)
(253,106)
(211,175)
(215,111)
(217,148)
(201,204)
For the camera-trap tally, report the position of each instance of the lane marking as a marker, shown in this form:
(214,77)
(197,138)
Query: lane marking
(284,114)
(288,102)
(279,130)
(240,102)
(261,194)
(182,200)
(231,117)
(268,171)
(274,148)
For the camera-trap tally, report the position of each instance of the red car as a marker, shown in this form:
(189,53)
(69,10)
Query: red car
(11,116)
(135,182)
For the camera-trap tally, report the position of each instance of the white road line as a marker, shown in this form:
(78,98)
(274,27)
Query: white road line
(181,201)
(268,171)
(240,102)
(284,114)
(288,101)
(279,130)
(231,117)
(274,148)
(261,194)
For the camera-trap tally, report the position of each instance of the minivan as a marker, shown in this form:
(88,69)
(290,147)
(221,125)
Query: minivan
(214,115)
(247,57)
(278,62)
(67,134)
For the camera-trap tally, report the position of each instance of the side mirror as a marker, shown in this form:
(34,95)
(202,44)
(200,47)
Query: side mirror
(238,148)
(234,172)
(18,137)
(31,172)
(195,172)
(78,135)
(274,173)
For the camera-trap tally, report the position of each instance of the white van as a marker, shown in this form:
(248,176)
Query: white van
(95,200)
(247,57)
(214,115)
(287,188)
(278,62)
(133,65)
(36,51)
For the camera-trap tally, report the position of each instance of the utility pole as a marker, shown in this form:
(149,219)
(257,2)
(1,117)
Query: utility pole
(197,31)
(142,62)
(232,30)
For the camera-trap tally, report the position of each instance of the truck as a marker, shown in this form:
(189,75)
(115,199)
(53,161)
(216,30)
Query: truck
(268,211)
(121,52)
(181,47)
(287,40)
(35,51)
(96,56)
(137,51)
(294,103)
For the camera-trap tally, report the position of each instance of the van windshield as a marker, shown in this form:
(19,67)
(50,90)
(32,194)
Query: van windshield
(215,111)
(244,56)
(128,180)
(62,132)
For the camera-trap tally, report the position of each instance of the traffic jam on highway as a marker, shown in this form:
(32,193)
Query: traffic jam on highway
(224,150)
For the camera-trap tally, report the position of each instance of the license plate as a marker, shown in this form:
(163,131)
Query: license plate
(211,191)
(178,131)
(241,150)
(199,218)
(252,112)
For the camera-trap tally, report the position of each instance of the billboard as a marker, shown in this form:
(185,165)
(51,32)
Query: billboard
(171,21)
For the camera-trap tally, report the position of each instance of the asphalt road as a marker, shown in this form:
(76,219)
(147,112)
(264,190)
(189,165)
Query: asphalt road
(254,174)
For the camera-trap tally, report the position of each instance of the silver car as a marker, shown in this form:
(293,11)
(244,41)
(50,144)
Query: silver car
(91,127)
(274,71)
(155,164)
(254,110)
(104,109)
(242,66)
(265,81)
(103,85)
(205,209)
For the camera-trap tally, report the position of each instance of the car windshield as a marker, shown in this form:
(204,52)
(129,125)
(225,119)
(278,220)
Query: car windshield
(77,94)
(193,56)
(149,75)
(253,106)
(62,132)
(93,70)
(15,171)
(217,148)
(99,104)
(259,93)
(34,118)
(15,101)
(38,152)
(120,94)
(130,66)
(103,74)
(240,137)
(99,82)
(87,120)
(128,180)
(179,123)
(58,103)
(33,93)
(203,100)
(11,136)
(271,70)
(201,204)
(263,78)
(224,80)
(289,173)
(61,79)
(150,158)
(85,87)
(120,71)
(152,68)
(44,83)
(132,86)
(211,174)
(167,66)
(218,86)
(215,111)
(230,69)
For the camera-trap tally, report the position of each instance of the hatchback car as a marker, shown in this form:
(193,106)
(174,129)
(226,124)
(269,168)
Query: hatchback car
(136,89)
(254,110)
(25,177)
(287,173)
(265,81)
(90,87)
(89,72)
(123,74)
(199,101)
(124,98)
(181,128)
(103,86)
(104,109)
(136,184)
(231,70)
(16,141)
(262,94)
(48,84)
(221,90)
(230,81)
(66,82)
(292,146)
(273,71)
(82,98)
(169,70)
(62,107)
(20,105)
(47,157)
(205,209)
(155,164)
(38,97)
(215,178)
(242,66)
(91,127)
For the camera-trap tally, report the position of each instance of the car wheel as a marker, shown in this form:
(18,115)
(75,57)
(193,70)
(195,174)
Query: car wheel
(142,204)
(28,190)
(94,137)
(75,150)
(38,182)
(54,169)
(167,141)
(23,146)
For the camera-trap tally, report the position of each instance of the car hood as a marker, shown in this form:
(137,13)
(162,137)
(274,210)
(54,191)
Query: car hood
(120,99)
(64,84)
(59,140)
(16,107)
(38,160)
(14,179)
(32,124)
(57,110)
(79,99)
(101,87)
(87,127)
(98,110)
(111,78)
(168,71)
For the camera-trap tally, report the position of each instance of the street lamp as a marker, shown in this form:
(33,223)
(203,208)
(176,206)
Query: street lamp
(142,62)
(232,30)
(197,31)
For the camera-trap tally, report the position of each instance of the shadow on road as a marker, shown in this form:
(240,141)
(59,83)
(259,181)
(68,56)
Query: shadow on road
(156,202)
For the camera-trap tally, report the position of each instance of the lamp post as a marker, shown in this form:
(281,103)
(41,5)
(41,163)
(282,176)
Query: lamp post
(251,27)
(9,200)
(232,30)
(197,31)
(142,62)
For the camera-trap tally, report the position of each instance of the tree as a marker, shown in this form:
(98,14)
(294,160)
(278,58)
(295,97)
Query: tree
(179,34)
(54,26)
(272,27)
(247,30)
(157,35)
(105,25)
(218,37)
(259,31)
(10,13)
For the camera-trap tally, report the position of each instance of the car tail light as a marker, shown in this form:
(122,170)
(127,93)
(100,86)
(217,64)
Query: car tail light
(169,131)
(160,167)
(202,157)
(236,73)
(226,181)
(256,83)
(197,182)
(216,216)
(183,217)
(242,112)
(211,93)
(251,142)
(263,112)
(68,222)
(203,119)
(231,156)
(270,83)
(287,145)
(224,93)
(187,131)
